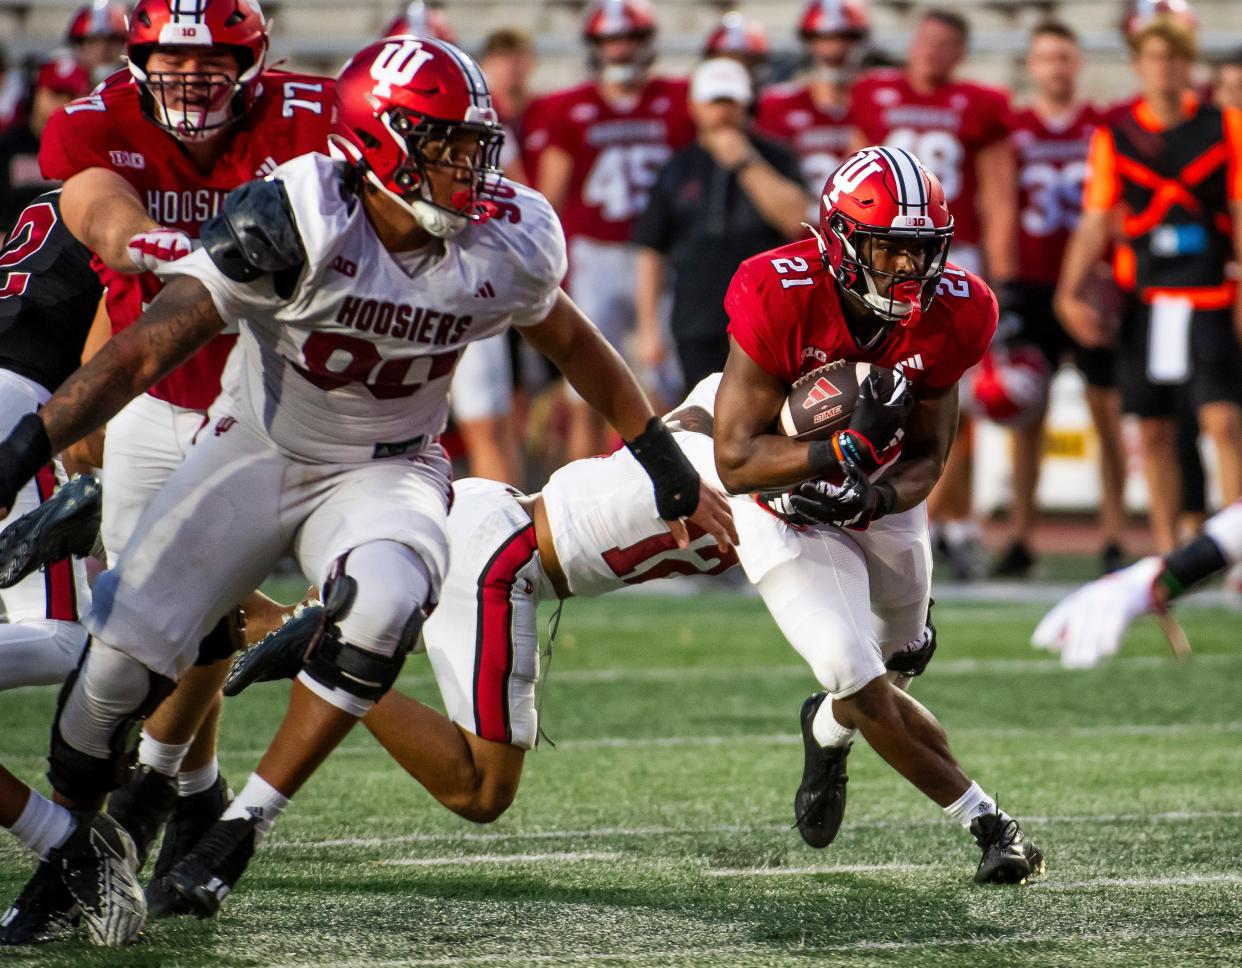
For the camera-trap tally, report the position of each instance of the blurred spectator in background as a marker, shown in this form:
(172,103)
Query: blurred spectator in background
(958,130)
(420,20)
(59,81)
(1170,166)
(1227,81)
(744,40)
(606,141)
(96,36)
(811,113)
(716,203)
(508,59)
(12,93)
(1050,138)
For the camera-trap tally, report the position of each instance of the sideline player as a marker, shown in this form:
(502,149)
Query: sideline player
(959,131)
(812,114)
(1088,625)
(339,464)
(851,582)
(1050,139)
(606,141)
(146,161)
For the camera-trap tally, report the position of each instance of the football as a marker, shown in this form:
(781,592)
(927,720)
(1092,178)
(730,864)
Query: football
(822,401)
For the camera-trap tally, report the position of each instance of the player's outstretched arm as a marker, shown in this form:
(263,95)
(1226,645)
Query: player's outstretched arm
(181,320)
(104,212)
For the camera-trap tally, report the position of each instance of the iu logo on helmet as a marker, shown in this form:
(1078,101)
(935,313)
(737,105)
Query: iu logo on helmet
(821,391)
(396,66)
(852,174)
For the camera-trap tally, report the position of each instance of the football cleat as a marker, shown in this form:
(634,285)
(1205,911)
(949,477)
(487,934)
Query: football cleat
(99,866)
(1008,857)
(192,817)
(1016,562)
(206,875)
(142,807)
(819,804)
(45,911)
(65,524)
(279,654)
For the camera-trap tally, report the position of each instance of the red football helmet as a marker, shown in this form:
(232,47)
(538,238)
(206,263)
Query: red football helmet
(834,18)
(102,18)
(1138,14)
(1010,385)
(420,20)
(401,105)
(208,102)
(885,196)
(616,19)
(737,36)
(62,74)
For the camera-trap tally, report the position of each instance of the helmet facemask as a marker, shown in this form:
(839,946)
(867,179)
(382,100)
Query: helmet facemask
(908,294)
(430,144)
(209,101)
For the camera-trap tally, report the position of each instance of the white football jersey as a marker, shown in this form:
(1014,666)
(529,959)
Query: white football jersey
(357,363)
(606,530)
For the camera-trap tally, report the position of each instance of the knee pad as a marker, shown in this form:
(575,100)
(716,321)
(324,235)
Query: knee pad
(99,716)
(222,641)
(365,675)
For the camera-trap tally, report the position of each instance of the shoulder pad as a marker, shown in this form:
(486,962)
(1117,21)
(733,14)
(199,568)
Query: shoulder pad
(254,234)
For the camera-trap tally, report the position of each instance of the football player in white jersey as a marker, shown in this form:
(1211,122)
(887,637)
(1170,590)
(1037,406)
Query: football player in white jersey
(593,529)
(1088,625)
(355,284)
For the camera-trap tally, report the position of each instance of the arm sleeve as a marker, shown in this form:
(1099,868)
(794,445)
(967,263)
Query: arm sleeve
(656,226)
(1102,188)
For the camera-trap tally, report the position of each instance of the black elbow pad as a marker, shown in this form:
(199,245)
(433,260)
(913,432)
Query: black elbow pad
(254,234)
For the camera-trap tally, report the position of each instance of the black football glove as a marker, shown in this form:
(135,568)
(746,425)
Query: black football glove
(22,453)
(884,404)
(854,503)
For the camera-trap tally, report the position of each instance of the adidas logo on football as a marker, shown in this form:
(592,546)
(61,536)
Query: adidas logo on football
(821,391)
(485,292)
(914,363)
(269,165)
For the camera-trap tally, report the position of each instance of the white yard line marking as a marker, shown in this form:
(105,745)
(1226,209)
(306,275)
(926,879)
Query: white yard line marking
(1187,880)
(466,836)
(813,869)
(715,954)
(564,857)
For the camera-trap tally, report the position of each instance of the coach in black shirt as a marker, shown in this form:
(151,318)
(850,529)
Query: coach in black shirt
(715,203)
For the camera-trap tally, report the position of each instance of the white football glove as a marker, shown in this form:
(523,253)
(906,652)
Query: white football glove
(1088,625)
(150,250)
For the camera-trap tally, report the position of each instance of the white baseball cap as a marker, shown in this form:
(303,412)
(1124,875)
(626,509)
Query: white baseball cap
(720,78)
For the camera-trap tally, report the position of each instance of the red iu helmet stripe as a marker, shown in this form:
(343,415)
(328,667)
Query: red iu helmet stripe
(737,34)
(831,17)
(618,18)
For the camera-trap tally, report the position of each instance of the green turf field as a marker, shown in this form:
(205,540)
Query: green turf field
(658,831)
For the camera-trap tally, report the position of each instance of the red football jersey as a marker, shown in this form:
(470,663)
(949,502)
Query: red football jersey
(1052,165)
(617,154)
(290,117)
(820,138)
(785,313)
(945,130)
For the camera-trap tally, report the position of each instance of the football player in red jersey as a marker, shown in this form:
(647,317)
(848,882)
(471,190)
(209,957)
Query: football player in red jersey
(97,37)
(959,130)
(606,142)
(848,581)
(146,161)
(1050,139)
(812,114)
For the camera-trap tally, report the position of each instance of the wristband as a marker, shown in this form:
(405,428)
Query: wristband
(822,458)
(674,478)
(1190,564)
(30,445)
(885,499)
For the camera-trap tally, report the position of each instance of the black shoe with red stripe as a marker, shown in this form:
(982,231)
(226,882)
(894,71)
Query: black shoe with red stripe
(67,523)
